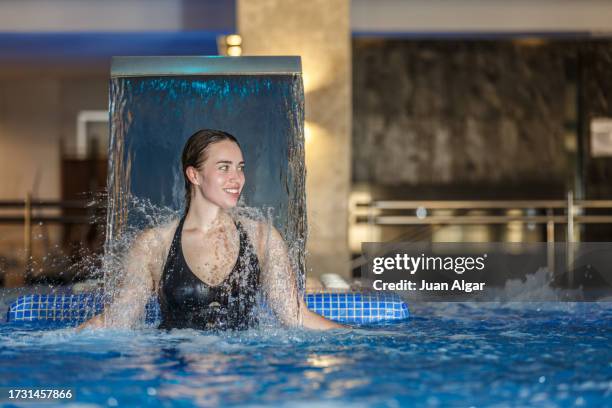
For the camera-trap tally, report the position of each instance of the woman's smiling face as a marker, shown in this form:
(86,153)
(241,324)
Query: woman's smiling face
(221,177)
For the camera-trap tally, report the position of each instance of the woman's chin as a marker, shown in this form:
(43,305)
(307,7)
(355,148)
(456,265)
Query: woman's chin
(229,204)
(225,203)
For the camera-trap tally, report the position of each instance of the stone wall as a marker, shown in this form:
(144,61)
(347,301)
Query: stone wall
(459,113)
(596,99)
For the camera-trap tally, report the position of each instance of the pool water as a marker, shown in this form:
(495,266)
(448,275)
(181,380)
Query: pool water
(478,354)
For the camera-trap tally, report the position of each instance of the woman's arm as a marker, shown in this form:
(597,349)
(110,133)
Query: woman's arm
(128,306)
(312,320)
(280,284)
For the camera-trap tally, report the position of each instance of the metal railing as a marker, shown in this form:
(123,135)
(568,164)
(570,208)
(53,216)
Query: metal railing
(569,212)
(28,217)
(572,213)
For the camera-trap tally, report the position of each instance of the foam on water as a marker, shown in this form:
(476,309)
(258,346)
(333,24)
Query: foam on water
(536,287)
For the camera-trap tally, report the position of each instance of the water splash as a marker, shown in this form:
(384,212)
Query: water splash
(127,289)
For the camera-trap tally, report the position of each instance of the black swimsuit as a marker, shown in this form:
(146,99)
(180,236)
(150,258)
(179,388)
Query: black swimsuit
(187,302)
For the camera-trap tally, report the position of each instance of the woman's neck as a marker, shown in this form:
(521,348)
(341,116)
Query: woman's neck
(203,216)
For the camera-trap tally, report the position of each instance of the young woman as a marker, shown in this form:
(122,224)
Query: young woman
(209,267)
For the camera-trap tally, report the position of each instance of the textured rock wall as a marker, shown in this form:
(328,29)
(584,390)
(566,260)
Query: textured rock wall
(596,99)
(465,112)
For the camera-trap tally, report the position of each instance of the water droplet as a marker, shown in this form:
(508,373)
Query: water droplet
(112,402)
(151,391)
(542,380)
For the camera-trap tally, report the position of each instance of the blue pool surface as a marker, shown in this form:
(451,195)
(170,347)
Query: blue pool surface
(480,354)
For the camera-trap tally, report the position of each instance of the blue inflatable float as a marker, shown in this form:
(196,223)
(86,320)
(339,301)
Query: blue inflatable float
(72,309)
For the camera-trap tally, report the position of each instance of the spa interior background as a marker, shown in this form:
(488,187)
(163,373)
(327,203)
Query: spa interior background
(464,121)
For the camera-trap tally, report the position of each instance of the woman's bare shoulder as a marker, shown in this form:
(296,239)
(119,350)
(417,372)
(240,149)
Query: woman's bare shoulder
(256,229)
(153,245)
(158,237)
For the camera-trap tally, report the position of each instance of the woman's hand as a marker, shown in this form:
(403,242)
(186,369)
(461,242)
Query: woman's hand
(95,322)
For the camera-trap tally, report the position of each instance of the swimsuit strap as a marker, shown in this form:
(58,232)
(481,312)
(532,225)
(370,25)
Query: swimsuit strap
(178,232)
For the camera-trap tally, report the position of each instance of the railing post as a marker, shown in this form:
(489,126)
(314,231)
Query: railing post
(371,220)
(27,234)
(570,239)
(550,240)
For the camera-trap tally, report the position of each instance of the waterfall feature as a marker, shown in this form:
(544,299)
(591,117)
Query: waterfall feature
(156,103)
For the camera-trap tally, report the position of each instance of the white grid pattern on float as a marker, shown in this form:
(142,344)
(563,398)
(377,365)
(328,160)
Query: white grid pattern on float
(358,307)
(344,307)
(61,307)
